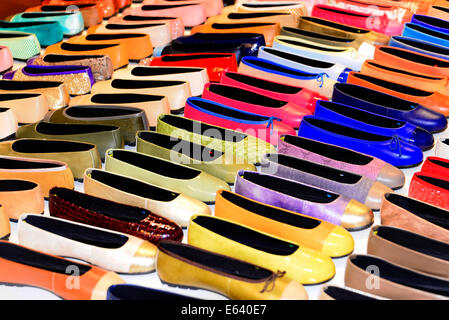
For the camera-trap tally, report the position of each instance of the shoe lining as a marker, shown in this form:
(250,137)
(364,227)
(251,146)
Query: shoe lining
(394,87)
(203,129)
(335,25)
(345,294)
(316,35)
(163,7)
(329,151)
(437,182)
(403,276)
(403,71)
(17,96)
(346,131)
(279,68)
(272,213)
(351,14)
(223,110)
(133,186)
(50,69)
(187,148)
(64,57)
(185,47)
(143,18)
(440,163)
(237,15)
(23,255)
(28,85)
(134,292)
(432,214)
(16,185)
(225,36)
(64,8)
(441,8)
(85,47)
(216,261)
(312,168)
(143,84)
(418,58)
(113,36)
(79,233)
(246,236)
(427,31)
(194,57)
(14,35)
(144,71)
(120,98)
(305,45)
(45,14)
(266,5)
(363,116)
(415,242)
(290,188)
(69,128)
(16,164)
(224,26)
(107,208)
(245,96)
(113,26)
(94,111)
(155,165)
(299,59)
(49,146)
(426,46)
(13,25)
(263,84)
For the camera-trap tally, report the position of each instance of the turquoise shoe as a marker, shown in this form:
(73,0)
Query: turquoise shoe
(47,32)
(71,23)
(23,45)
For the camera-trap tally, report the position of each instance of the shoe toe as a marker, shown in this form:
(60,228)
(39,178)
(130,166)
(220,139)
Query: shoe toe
(144,258)
(376,194)
(338,243)
(422,139)
(356,216)
(391,176)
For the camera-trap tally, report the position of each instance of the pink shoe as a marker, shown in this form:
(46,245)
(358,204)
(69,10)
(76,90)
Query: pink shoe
(376,23)
(266,128)
(176,25)
(191,14)
(299,96)
(247,100)
(212,7)
(6,61)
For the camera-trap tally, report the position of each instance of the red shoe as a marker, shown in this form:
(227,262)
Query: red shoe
(431,188)
(246,100)
(120,5)
(436,166)
(360,20)
(299,96)
(215,63)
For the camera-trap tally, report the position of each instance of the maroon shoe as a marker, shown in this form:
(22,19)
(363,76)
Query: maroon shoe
(76,206)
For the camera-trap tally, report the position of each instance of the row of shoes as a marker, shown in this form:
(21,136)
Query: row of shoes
(256,89)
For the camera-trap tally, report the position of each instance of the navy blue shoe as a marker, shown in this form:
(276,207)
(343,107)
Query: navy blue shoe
(389,106)
(134,292)
(431,23)
(390,149)
(248,44)
(374,123)
(420,46)
(422,33)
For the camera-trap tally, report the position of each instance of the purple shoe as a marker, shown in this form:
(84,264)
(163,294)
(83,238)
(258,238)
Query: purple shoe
(349,184)
(314,202)
(77,79)
(342,158)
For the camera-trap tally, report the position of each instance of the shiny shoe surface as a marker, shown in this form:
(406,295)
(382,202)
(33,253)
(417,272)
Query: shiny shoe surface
(20,196)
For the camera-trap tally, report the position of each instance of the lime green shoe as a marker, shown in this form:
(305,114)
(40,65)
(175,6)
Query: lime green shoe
(23,45)
(233,143)
(194,155)
(166,174)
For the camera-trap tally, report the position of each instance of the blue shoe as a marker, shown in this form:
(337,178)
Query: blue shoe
(248,44)
(374,123)
(71,23)
(420,46)
(389,106)
(431,23)
(266,69)
(47,33)
(390,149)
(419,32)
(335,71)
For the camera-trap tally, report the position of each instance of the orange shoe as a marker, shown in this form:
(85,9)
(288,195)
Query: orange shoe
(432,100)
(439,12)
(269,30)
(393,73)
(65,278)
(137,45)
(117,52)
(20,196)
(410,60)
(5,226)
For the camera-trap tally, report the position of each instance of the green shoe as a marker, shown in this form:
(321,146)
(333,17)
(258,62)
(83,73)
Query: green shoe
(103,136)
(71,23)
(47,33)
(235,143)
(23,45)
(128,119)
(166,174)
(194,155)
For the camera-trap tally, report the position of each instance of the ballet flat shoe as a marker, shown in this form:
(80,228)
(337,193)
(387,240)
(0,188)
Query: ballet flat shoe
(20,196)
